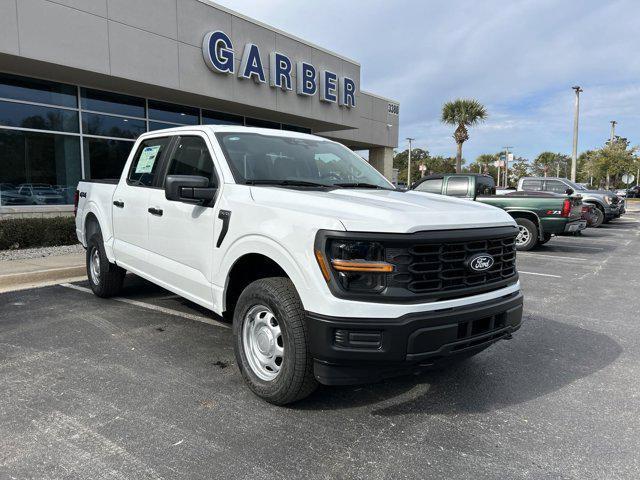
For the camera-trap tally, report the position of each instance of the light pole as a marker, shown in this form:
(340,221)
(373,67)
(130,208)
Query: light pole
(574,154)
(409,163)
(613,130)
(506,166)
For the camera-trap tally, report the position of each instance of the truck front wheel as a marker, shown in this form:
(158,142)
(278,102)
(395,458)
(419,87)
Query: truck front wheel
(270,341)
(527,234)
(105,278)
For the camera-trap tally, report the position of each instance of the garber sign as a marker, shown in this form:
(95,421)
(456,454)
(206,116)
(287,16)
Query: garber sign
(219,56)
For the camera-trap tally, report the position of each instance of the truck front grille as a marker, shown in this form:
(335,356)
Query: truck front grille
(438,267)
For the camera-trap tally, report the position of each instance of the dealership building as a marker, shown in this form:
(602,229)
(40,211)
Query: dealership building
(81,79)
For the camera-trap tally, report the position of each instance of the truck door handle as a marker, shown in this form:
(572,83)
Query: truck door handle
(118,203)
(155,211)
(225,216)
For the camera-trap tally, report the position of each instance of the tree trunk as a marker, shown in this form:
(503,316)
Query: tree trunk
(459,159)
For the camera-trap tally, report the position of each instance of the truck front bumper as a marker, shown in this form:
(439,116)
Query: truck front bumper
(349,351)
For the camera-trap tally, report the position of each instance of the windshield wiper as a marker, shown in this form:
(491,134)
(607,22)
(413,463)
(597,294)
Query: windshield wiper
(361,185)
(289,183)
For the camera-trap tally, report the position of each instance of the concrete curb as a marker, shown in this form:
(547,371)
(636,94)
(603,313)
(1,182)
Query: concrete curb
(49,276)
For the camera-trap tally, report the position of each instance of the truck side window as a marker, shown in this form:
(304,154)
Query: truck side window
(458,186)
(145,164)
(485,186)
(191,157)
(534,185)
(555,186)
(433,185)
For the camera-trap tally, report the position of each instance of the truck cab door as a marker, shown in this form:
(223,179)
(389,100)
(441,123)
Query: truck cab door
(130,204)
(181,235)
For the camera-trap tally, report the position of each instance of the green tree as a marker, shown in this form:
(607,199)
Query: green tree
(462,113)
(520,168)
(551,164)
(614,160)
(400,160)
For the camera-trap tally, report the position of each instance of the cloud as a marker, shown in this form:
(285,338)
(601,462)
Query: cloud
(519,58)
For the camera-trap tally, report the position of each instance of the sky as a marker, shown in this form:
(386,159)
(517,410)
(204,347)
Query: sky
(519,58)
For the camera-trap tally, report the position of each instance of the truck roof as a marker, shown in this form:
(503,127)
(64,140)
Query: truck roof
(233,128)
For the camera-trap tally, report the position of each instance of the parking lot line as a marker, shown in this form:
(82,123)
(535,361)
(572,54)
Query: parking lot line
(168,311)
(540,274)
(561,257)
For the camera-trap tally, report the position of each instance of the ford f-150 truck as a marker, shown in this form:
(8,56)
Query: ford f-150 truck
(539,216)
(327,272)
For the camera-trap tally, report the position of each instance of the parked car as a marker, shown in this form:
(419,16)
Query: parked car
(329,273)
(40,194)
(9,196)
(539,215)
(608,204)
(633,192)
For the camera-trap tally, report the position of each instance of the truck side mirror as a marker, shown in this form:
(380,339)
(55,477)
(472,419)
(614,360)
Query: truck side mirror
(569,191)
(189,189)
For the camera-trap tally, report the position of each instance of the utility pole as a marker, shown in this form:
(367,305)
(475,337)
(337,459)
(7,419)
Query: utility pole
(409,163)
(611,139)
(574,154)
(613,131)
(506,166)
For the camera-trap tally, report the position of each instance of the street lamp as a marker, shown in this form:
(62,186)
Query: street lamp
(409,163)
(574,154)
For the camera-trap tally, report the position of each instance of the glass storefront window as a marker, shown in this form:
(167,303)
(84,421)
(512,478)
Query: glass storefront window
(38,117)
(38,91)
(105,158)
(160,125)
(110,126)
(108,102)
(169,112)
(38,168)
(219,118)
(256,122)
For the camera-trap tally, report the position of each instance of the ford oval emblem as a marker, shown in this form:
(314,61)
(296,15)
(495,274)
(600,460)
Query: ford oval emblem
(480,262)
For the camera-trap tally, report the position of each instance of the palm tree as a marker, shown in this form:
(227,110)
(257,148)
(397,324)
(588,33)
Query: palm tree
(463,113)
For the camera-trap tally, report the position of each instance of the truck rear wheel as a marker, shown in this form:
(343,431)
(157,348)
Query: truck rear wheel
(105,278)
(270,341)
(527,234)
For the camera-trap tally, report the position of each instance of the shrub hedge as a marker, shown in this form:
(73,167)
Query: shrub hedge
(37,232)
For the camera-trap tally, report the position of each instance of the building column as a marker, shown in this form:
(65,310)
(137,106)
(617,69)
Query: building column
(381,158)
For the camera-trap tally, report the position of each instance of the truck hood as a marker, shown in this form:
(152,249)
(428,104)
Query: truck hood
(390,211)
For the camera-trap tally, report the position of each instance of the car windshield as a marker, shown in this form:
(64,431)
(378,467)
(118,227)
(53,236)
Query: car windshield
(575,186)
(258,159)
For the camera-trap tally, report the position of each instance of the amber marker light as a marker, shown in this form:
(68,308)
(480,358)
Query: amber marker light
(361,266)
(323,266)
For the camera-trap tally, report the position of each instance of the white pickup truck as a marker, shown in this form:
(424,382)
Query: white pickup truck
(327,272)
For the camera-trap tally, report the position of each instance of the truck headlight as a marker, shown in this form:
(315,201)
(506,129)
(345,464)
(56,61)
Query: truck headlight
(358,266)
(607,199)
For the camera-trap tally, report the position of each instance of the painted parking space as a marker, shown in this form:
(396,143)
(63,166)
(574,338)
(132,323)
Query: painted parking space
(144,388)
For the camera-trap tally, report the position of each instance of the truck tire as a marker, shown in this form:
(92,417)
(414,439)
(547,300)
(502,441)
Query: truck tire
(270,341)
(547,237)
(105,278)
(527,234)
(599,217)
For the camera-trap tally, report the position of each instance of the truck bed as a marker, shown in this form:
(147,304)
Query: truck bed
(96,196)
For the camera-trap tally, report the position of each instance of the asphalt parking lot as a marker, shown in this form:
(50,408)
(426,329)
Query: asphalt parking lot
(146,386)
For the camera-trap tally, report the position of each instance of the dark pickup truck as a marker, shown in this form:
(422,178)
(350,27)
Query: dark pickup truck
(539,216)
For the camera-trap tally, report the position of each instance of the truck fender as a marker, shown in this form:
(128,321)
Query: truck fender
(94,208)
(528,214)
(258,244)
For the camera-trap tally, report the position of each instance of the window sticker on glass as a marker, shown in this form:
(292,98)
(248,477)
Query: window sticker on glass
(147,159)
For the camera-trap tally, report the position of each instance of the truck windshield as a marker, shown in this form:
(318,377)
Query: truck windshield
(258,159)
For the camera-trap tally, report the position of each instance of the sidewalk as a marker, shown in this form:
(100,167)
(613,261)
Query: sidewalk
(36,272)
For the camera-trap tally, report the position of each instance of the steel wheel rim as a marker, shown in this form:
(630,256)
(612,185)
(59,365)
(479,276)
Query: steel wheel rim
(94,266)
(262,342)
(523,235)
